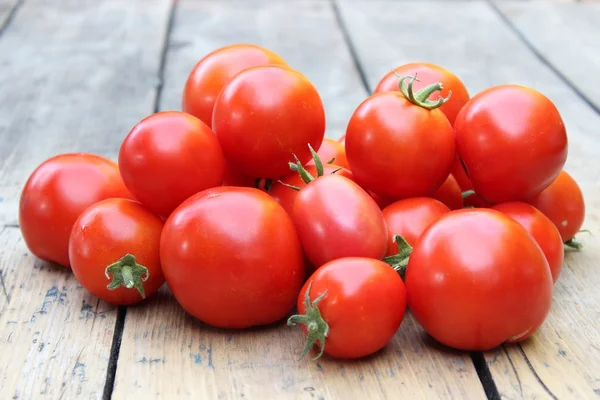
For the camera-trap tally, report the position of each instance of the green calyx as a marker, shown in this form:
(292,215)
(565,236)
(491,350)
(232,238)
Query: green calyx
(316,327)
(304,174)
(467,193)
(400,261)
(421,98)
(128,273)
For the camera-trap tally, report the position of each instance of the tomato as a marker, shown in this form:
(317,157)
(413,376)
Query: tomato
(381,201)
(169,156)
(342,139)
(335,218)
(332,150)
(476,279)
(232,257)
(541,229)
(60,189)
(409,218)
(428,74)
(460,175)
(563,203)
(117,238)
(264,116)
(351,307)
(213,71)
(233,178)
(398,149)
(512,142)
(449,193)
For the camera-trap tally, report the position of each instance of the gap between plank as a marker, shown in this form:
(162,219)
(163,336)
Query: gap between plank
(11,15)
(163,56)
(485,376)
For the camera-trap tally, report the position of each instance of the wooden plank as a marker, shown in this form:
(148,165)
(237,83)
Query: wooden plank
(563,359)
(6,8)
(193,360)
(75,76)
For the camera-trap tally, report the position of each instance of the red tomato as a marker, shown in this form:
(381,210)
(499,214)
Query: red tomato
(541,229)
(449,194)
(233,178)
(477,279)
(563,203)
(125,237)
(382,202)
(362,305)
(332,150)
(232,257)
(512,142)
(336,218)
(461,176)
(409,218)
(60,189)
(398,149)
(212,72)
(264,116)
(169,156)
(428,74)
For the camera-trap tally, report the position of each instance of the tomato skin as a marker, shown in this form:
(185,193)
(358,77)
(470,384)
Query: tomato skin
(232,257)
(165,145)
(429,74)
(107,231)
(264,115)
(358,289)
(381,201)
(213,71)
(541,229)
(512,141)
(332,149)
(409,218)
(477,279)
(233,178)
(562,202)
(335,218)
(450,194)
(54,195)
(385,141)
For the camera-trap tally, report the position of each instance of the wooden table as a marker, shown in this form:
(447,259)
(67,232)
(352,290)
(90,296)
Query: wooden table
(76,75)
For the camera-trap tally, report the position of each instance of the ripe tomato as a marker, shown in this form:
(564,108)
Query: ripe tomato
(264,115)
(460,175)
(541,229)
(409,218)
(60,189)
(233,178)
(335,218)
(477,279)
(399,149)
(563,203)
(381,201)
(169,156)
(449,193)
(117,238)
(212,72)
(332,150)
(512,141)
(428,74)
(232,257)
(351,307)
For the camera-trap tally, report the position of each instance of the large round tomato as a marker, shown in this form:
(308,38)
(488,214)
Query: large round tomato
(351,307)
(399,149)
(428,74)
(212,72)
(449,193)
(563,203)
(333,152)
(60,189)
(232,257)
(336,218)
(120,239)
(477,279)
(512,142)
(541,229)
(169,156)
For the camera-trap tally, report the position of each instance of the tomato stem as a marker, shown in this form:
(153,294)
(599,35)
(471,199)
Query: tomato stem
(331,161)
(304,174)
(467,193)
(128,273)
(400,261)
(421,98)
(574,244)
(290,186)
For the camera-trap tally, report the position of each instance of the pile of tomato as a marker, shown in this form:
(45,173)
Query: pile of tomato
(452,206)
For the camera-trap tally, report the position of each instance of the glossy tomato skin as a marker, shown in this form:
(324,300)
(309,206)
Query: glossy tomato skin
(429,74)
(56,193)
(103,234)
(335,218)
(563,203)
(232,257)
(409,218)
(213,71)
(169,156)
(387,139)
(449,193)
(477,279)
(332,150)
(364,305)
(541,229)
(266,114)
(512,141)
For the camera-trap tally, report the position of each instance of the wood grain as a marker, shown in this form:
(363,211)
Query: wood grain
(6,8)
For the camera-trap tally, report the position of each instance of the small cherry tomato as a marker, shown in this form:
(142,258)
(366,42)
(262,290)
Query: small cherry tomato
(56,193)
(351,307)
(449,193)
(332,152)
(120,239)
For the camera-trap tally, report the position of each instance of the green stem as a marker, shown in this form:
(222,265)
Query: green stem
(467,193)
(574,244)
(400,260)
(128,273)
(421,98)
